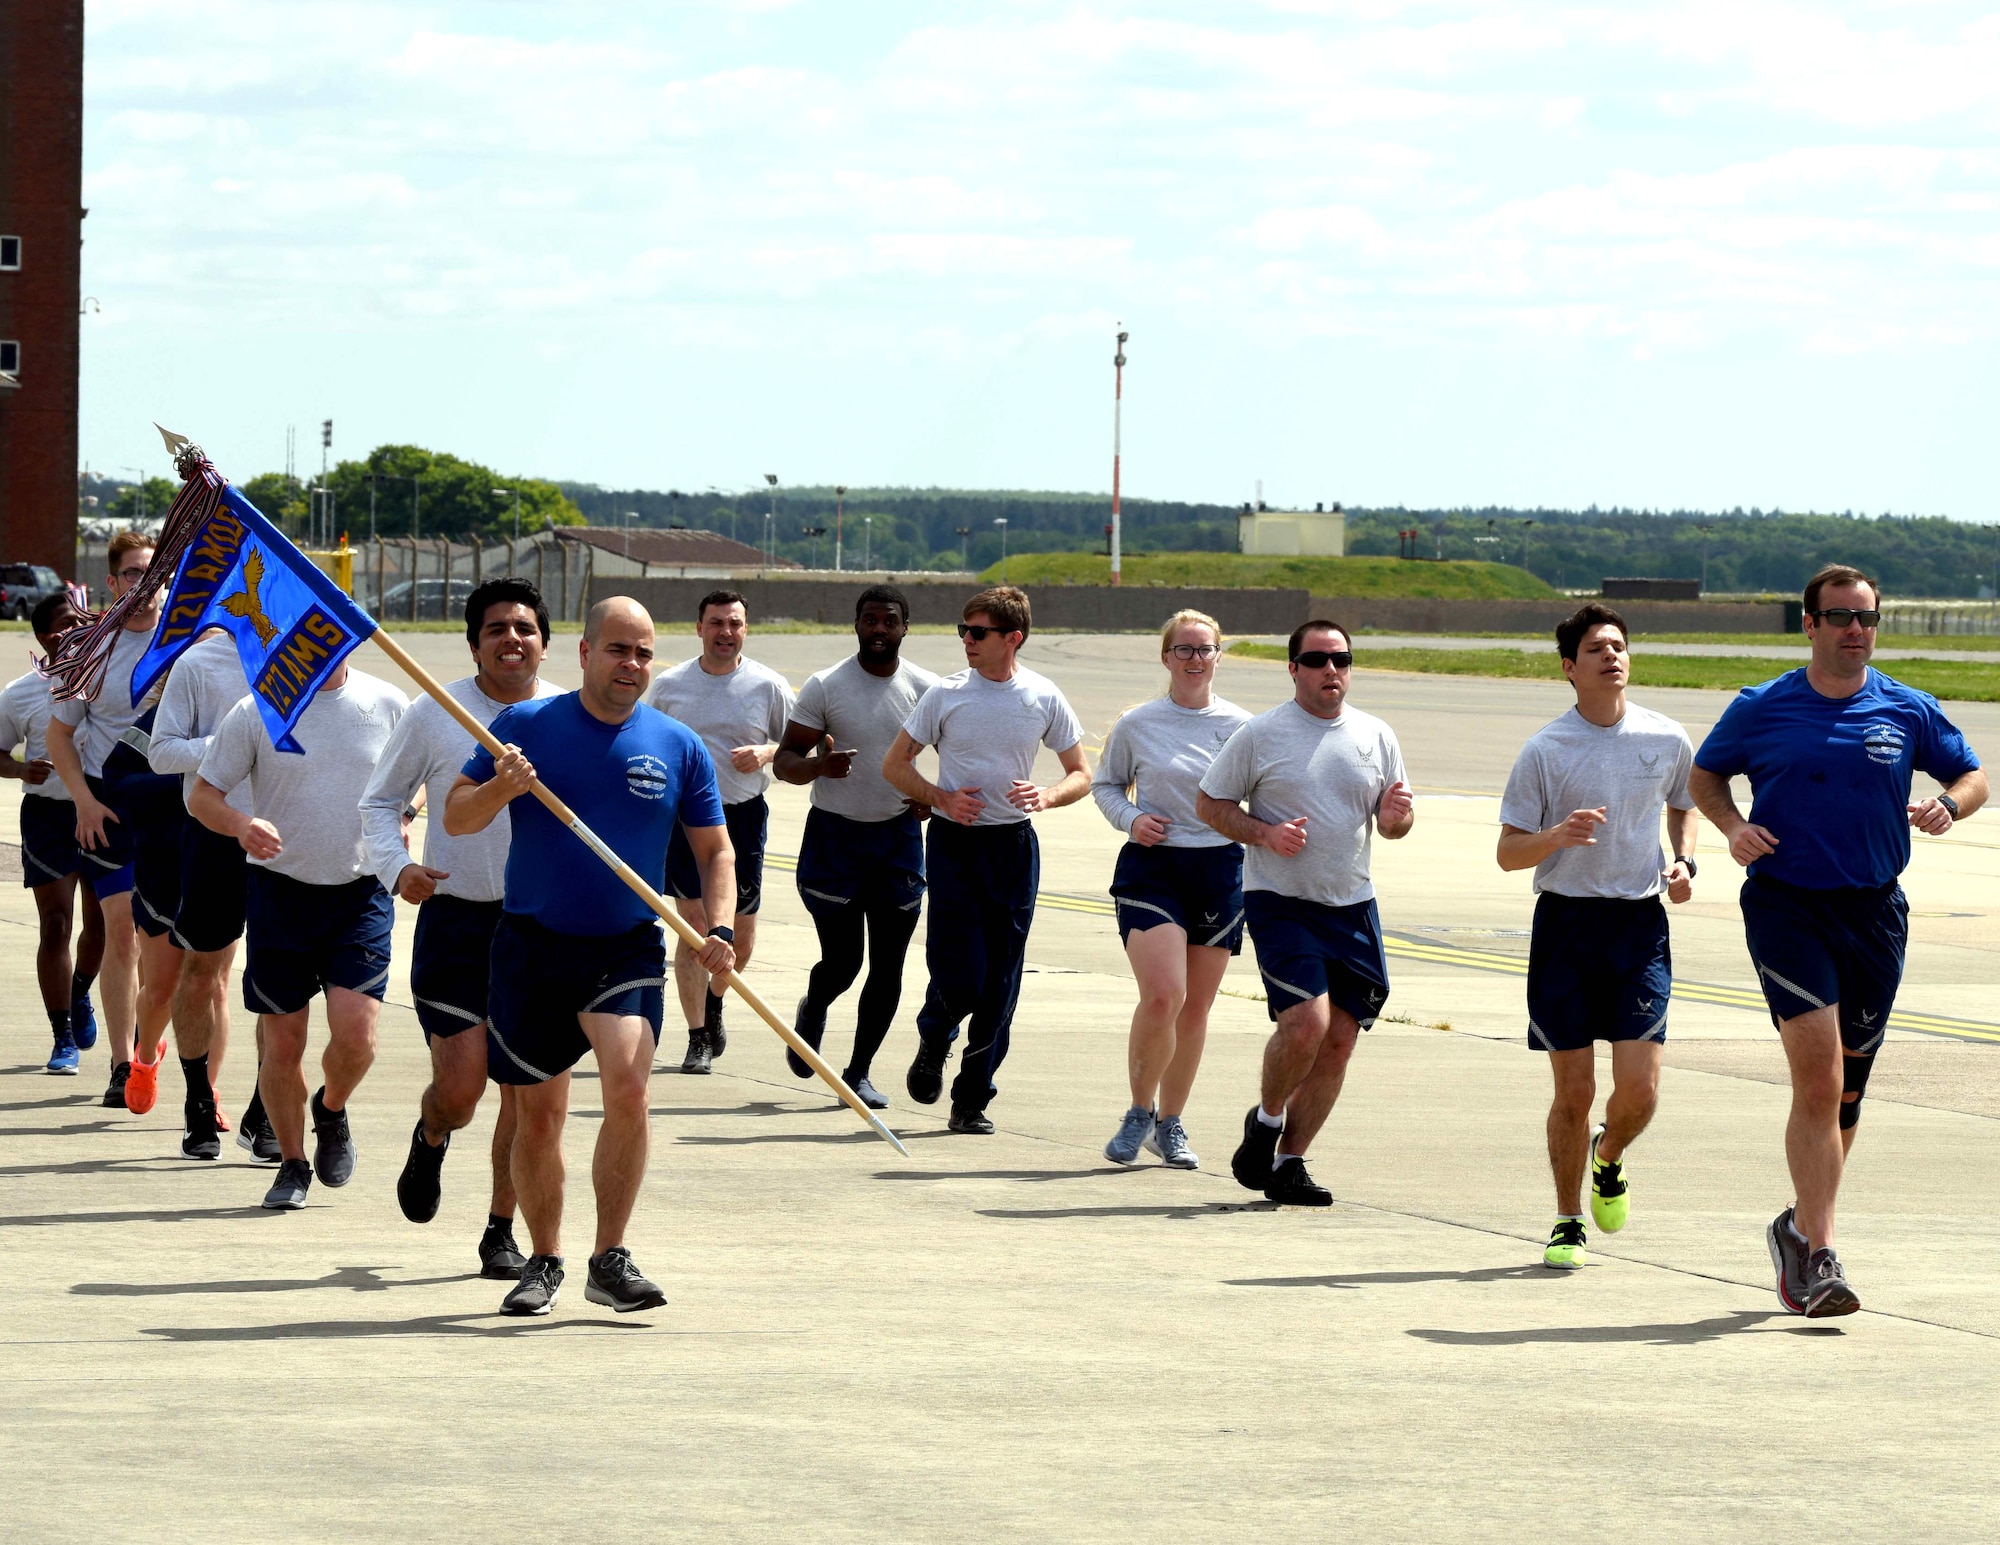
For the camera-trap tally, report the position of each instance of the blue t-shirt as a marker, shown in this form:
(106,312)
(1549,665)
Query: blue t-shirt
(629,782)
(1830,777)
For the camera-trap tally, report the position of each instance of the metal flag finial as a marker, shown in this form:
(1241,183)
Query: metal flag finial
(186,454)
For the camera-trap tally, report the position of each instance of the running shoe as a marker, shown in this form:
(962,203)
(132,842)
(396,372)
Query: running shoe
(617,1284)
(83,1024)
(926,1077)
(865,1091)
(1610,1202)
(142,1085)
(1565,1250)
(1789,1253)
(333,1152)
(538,1289)
(1132,1132)
(199,1138)
(288,1191)
(1828,1292)
(420,1187)
(1169,1140)
(257,1138)
(500,1257)
(699,1058)
(114,1092)
(971,1123)
(1290,1186)
(718,1033)
(811,1026)
(64,1058)
(1251,1163)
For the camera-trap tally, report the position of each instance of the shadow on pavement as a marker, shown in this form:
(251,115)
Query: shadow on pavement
(353,1279)
(68,1099)
(162,1215)
(1167,1210)
(141,1163)
(717,1140)
(1689,1333)
(75,1128)
(1361,1279)
(999,1174)
(346,1330)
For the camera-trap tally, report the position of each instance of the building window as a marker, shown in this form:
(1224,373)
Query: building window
(10,252)
(10,357)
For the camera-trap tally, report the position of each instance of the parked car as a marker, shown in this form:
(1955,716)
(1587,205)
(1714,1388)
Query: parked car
(431,601)
(22,586)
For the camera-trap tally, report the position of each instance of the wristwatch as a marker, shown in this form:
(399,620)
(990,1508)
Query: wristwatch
(1950,804)
(1683,858)
(726,935)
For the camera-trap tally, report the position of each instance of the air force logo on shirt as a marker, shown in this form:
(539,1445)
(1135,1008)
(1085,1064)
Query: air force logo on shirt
(1884,743)
(646,776)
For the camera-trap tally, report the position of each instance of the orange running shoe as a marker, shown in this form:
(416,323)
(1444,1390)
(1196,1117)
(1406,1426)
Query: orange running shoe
(142,1089)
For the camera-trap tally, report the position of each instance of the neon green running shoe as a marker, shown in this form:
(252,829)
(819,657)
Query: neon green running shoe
(1565,1251)
(1610,1205)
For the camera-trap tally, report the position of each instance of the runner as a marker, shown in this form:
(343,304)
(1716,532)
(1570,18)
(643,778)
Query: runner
(1178,887)
(861,863)
(207,682)
(984,860)
(457,887)
(316,918)
(739,709)
(50,863)
(1310,905)
(81,739)
(578,963)
(1829,751)
(1582,809)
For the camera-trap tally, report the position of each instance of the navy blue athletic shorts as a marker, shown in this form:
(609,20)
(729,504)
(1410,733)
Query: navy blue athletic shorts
(151,814)
(305,938)
(1199,890)
(451,962)
(48,840)
(1814,948)
(874,864)
(1306,949)
(1599,969)
(541,980)
(108,868)
(215,880)
(746,822)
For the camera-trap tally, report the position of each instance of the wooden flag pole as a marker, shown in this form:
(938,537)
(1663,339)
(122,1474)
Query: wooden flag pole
(636,885)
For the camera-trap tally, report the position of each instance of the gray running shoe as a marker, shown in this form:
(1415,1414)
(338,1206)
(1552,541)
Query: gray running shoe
(618,1284)
(1169,1140)
(288,1191)
(539,1287)
(1827,1290)
(1788,1259)
(868,1094)
(699,1056)
(1132,1132)
(333,1153)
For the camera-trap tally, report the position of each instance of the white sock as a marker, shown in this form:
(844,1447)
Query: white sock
(1280,1158)
(1265,1118)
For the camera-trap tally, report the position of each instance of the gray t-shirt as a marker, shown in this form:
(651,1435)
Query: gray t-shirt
(314,800)
(986,733)
(1289,763)
(207,682)
(99,722)
(427,750)
(746,707)
(1631,768)
(1153,763)
(24,722)
(863,714)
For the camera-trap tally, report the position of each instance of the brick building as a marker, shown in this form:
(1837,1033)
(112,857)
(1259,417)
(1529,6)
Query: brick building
(41,237)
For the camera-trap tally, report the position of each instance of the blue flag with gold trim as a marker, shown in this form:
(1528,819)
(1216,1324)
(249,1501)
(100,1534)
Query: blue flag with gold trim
(293,625)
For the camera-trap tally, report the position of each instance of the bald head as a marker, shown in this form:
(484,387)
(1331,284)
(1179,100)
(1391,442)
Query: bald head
(617,658)
(621,608)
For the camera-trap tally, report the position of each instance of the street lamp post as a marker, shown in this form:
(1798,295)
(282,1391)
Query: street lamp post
(501,493)
(771,522)
(839,506)
(867,542)
(1117,425)
(1001,522)
(630,516)
(964,546)
(1704,527)
(1525,527)
(815,532)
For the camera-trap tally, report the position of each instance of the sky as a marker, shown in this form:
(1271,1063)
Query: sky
(1660,253)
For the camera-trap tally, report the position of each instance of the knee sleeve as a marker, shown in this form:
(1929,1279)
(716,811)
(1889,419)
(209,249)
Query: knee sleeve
(1854,1084)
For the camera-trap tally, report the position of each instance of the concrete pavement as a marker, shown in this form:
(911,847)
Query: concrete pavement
(1010,1337)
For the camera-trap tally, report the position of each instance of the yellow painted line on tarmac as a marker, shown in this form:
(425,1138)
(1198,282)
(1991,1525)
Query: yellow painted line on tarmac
(1431,952)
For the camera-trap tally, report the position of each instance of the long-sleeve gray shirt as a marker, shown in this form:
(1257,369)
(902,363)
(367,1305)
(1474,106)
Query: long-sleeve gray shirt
(1158,752)
(426,751)
(207,682)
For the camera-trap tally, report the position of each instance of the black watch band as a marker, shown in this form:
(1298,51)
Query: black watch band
(1950,804)
(726,935)
(1688,859)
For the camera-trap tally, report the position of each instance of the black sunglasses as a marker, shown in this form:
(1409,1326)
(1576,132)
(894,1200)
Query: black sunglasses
(1841,616)
(977,631)
(1319,659)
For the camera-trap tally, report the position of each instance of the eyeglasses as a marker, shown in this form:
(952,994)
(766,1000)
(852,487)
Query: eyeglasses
(1841,616)
(1193,651)
(977,631)
(130,575)
(1319,659)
